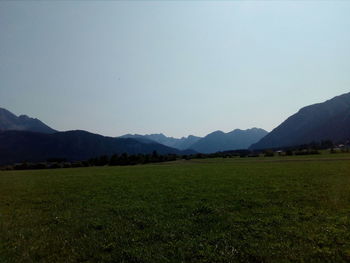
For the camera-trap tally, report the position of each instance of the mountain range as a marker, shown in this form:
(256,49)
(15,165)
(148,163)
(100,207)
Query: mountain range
(214,142)
(181,144)
(24,138)
(329,120)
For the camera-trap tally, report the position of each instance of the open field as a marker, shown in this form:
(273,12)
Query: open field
(290,209)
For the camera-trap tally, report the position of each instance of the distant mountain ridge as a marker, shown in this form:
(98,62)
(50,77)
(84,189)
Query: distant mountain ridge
(219,141)
(30,139)
(19,146)
(213,142)
(9,121)
(181,143)
(329,120)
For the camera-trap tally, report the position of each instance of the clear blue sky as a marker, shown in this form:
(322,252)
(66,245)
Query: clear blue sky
(180,68)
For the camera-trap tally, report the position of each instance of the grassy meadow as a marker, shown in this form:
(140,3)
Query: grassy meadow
(280,209)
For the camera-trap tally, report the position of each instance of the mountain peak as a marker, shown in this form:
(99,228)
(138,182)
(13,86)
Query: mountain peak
(218,132)
(9,121)
(234,140)
(24,117)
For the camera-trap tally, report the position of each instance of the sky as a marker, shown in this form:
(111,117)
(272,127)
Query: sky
(172,67)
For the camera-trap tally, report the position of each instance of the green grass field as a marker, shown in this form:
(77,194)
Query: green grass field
(291,209)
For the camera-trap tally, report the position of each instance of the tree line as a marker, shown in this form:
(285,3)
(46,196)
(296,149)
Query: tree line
(154,157)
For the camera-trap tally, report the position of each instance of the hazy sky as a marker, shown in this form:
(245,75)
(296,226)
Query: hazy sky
(180,68)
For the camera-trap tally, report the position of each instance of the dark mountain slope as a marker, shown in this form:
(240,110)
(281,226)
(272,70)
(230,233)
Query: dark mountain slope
(236,139)
(329,120)
(18,146)
(9,121)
